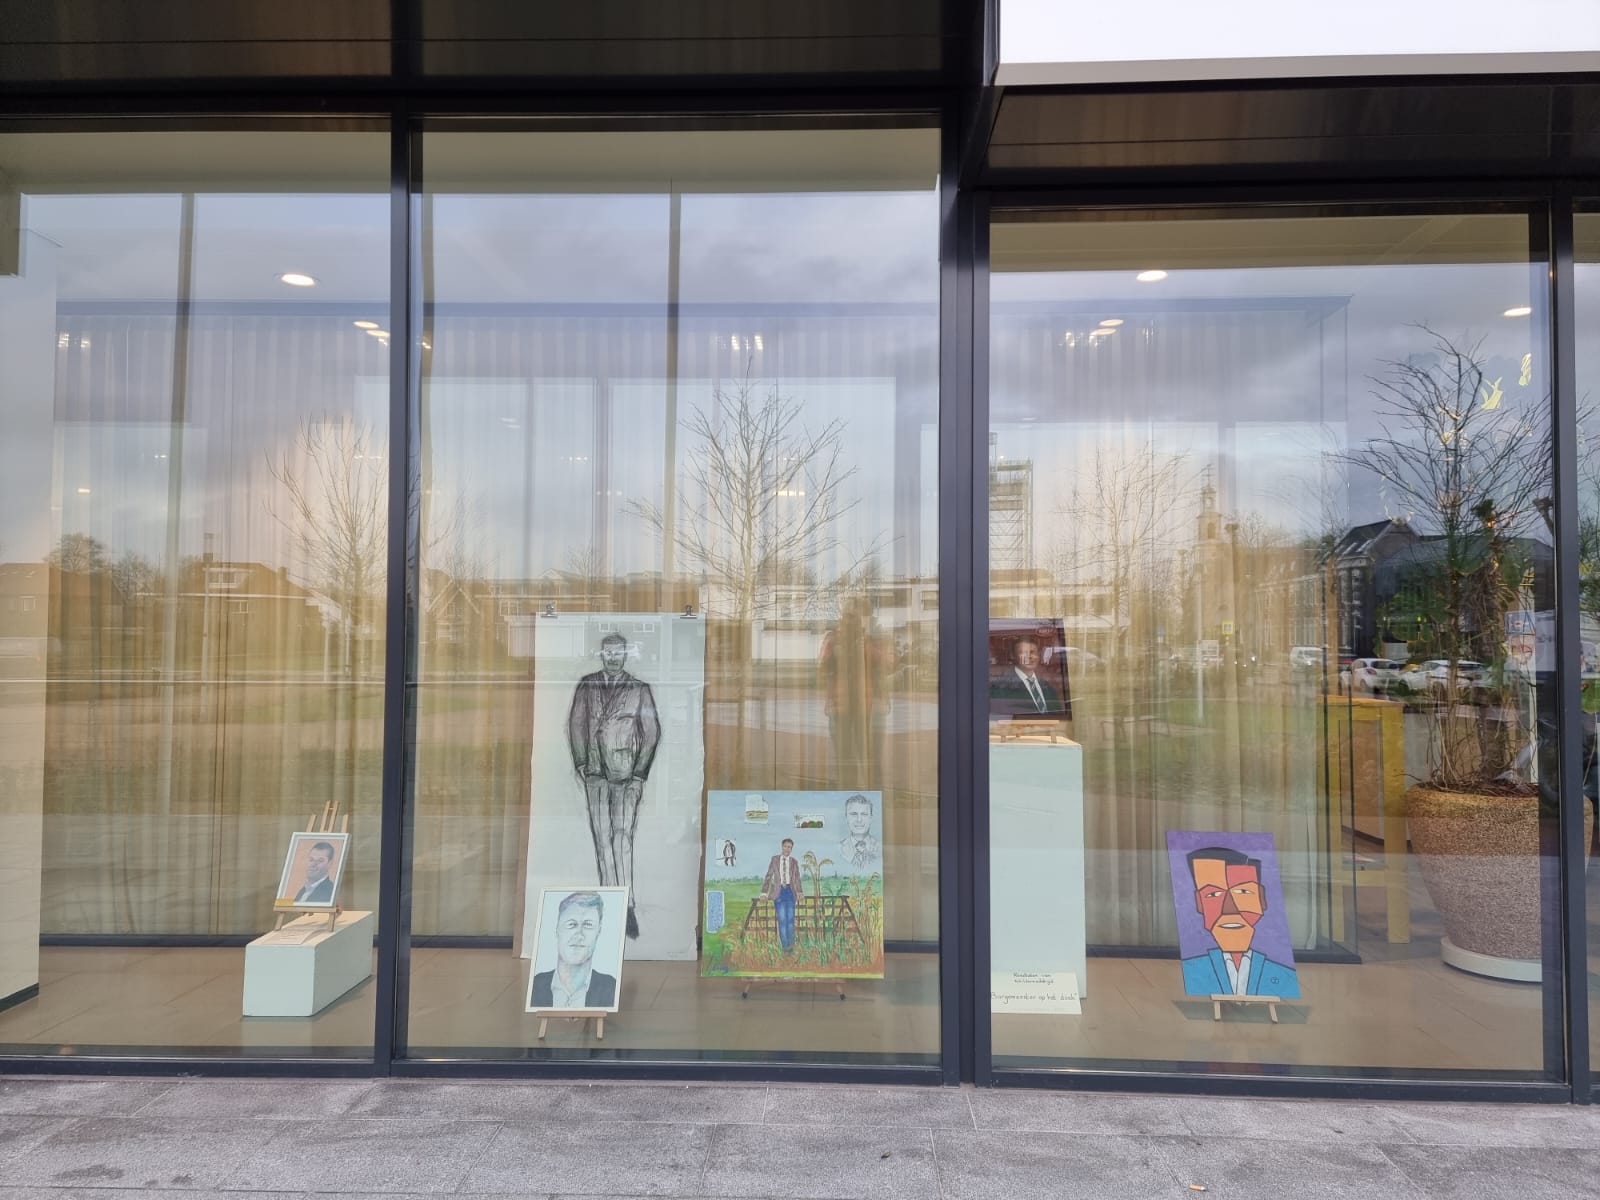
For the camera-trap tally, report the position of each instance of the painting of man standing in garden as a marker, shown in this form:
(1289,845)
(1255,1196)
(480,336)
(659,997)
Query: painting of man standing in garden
(801,910)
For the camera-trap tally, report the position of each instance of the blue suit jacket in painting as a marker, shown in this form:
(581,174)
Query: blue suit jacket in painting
(1207,975)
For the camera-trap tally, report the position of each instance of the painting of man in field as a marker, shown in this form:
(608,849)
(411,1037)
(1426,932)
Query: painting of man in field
(793,906)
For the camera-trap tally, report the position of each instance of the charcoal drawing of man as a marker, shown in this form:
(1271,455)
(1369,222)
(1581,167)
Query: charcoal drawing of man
(613,731)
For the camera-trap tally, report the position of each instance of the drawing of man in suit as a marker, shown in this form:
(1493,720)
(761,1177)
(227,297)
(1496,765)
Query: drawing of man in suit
(1023,691)
(782,886)
(613,731)
(574,983)
(318,887)
(1230,898)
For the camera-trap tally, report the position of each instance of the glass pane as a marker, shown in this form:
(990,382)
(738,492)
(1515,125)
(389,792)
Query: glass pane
(680,594)
(1269,557)
(1586,229)
(191,587)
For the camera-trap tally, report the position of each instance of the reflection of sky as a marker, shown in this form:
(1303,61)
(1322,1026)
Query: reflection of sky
(528,473)
(1191,371)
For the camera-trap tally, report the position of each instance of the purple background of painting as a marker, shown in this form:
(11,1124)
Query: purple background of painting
(1272,934)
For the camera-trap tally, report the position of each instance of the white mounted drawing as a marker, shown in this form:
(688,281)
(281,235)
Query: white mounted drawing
(618,769)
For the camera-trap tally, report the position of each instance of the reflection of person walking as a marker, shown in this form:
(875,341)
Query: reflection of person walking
(782,887)
(613,731)
(852,669)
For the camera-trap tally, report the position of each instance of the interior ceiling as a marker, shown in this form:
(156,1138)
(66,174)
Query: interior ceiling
(301,160)
(1262,238)
(609,41)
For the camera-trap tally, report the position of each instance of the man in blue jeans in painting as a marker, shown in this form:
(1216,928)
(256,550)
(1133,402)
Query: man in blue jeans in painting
(782,887)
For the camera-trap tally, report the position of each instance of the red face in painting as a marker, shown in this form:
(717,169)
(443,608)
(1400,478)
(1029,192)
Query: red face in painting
(1229,899)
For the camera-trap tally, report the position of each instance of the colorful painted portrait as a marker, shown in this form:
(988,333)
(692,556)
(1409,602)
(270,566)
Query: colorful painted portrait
(312,870)
(794,885)
(1028,670)
(1233,931)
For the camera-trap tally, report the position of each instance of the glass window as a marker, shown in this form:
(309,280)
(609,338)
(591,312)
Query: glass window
(679,594)
(1270,551)
(191,588)
(1586,229)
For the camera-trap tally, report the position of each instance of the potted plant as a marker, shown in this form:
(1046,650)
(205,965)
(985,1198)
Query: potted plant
(1473,466)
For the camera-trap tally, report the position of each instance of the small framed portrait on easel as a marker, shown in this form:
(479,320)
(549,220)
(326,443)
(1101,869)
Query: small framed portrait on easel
(312,870)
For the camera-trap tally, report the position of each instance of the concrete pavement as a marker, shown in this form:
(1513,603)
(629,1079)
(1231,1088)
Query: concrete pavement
(98,1139)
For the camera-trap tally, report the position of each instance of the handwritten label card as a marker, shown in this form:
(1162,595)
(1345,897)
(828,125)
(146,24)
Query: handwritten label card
(1034,992)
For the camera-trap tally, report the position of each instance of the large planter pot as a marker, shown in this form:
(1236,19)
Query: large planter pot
(1479,856)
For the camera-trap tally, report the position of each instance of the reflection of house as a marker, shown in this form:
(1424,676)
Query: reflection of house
(1385,575)
(1357,558)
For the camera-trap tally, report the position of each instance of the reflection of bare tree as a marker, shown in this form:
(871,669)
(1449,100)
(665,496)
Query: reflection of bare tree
(760,493)
(333,503)
(1118,528)
(79,552)
(1472,472)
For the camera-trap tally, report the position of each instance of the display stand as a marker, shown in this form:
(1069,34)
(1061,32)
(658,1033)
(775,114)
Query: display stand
(1036,878)
(1218,999)
(315,824)
(299,969)
(599,1020)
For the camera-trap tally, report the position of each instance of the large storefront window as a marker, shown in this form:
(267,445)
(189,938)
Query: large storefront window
(1586,231)
(191,586)
(679,595)
(1270,549)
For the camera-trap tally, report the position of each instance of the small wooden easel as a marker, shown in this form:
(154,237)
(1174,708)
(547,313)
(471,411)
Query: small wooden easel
(576,1014)
(1218,999)
(315,824)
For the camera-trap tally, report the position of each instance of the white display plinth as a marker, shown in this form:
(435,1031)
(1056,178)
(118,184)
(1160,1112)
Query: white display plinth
(299,970)
(1037,925)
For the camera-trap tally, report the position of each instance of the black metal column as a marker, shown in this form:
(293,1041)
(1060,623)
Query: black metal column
(1570,949)
(400,618)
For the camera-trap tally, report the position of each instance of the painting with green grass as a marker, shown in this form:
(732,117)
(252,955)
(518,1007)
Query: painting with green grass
(794,885)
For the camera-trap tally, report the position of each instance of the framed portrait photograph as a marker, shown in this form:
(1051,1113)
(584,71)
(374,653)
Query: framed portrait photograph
(1028,670)
(576,964)
(312,870)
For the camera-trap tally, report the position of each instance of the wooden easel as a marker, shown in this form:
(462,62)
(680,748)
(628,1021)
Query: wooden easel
(315,824)
(576,1014)
(1218,999)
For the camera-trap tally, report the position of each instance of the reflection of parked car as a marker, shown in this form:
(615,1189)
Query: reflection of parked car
(1373,675)
(1434,674)
(1305,658)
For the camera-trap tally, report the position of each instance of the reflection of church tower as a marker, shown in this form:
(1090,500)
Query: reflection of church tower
(1213,598)
(1010,512)
(1208,526)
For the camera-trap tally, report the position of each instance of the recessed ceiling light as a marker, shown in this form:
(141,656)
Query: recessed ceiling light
(1150,276)
(1521,310)
(366,325)
(83,491)
(296,279)
(1111,322)
(376,332)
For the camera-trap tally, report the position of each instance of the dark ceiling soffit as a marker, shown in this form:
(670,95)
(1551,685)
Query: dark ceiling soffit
(1464,127)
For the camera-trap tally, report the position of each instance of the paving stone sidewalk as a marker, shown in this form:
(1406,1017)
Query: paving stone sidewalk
(97,1139)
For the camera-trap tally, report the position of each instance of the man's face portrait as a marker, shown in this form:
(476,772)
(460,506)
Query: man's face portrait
(1230,901)
(859,815)
(317,863)
(613,655)
(1025,653)
(577,932)
(788,846)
